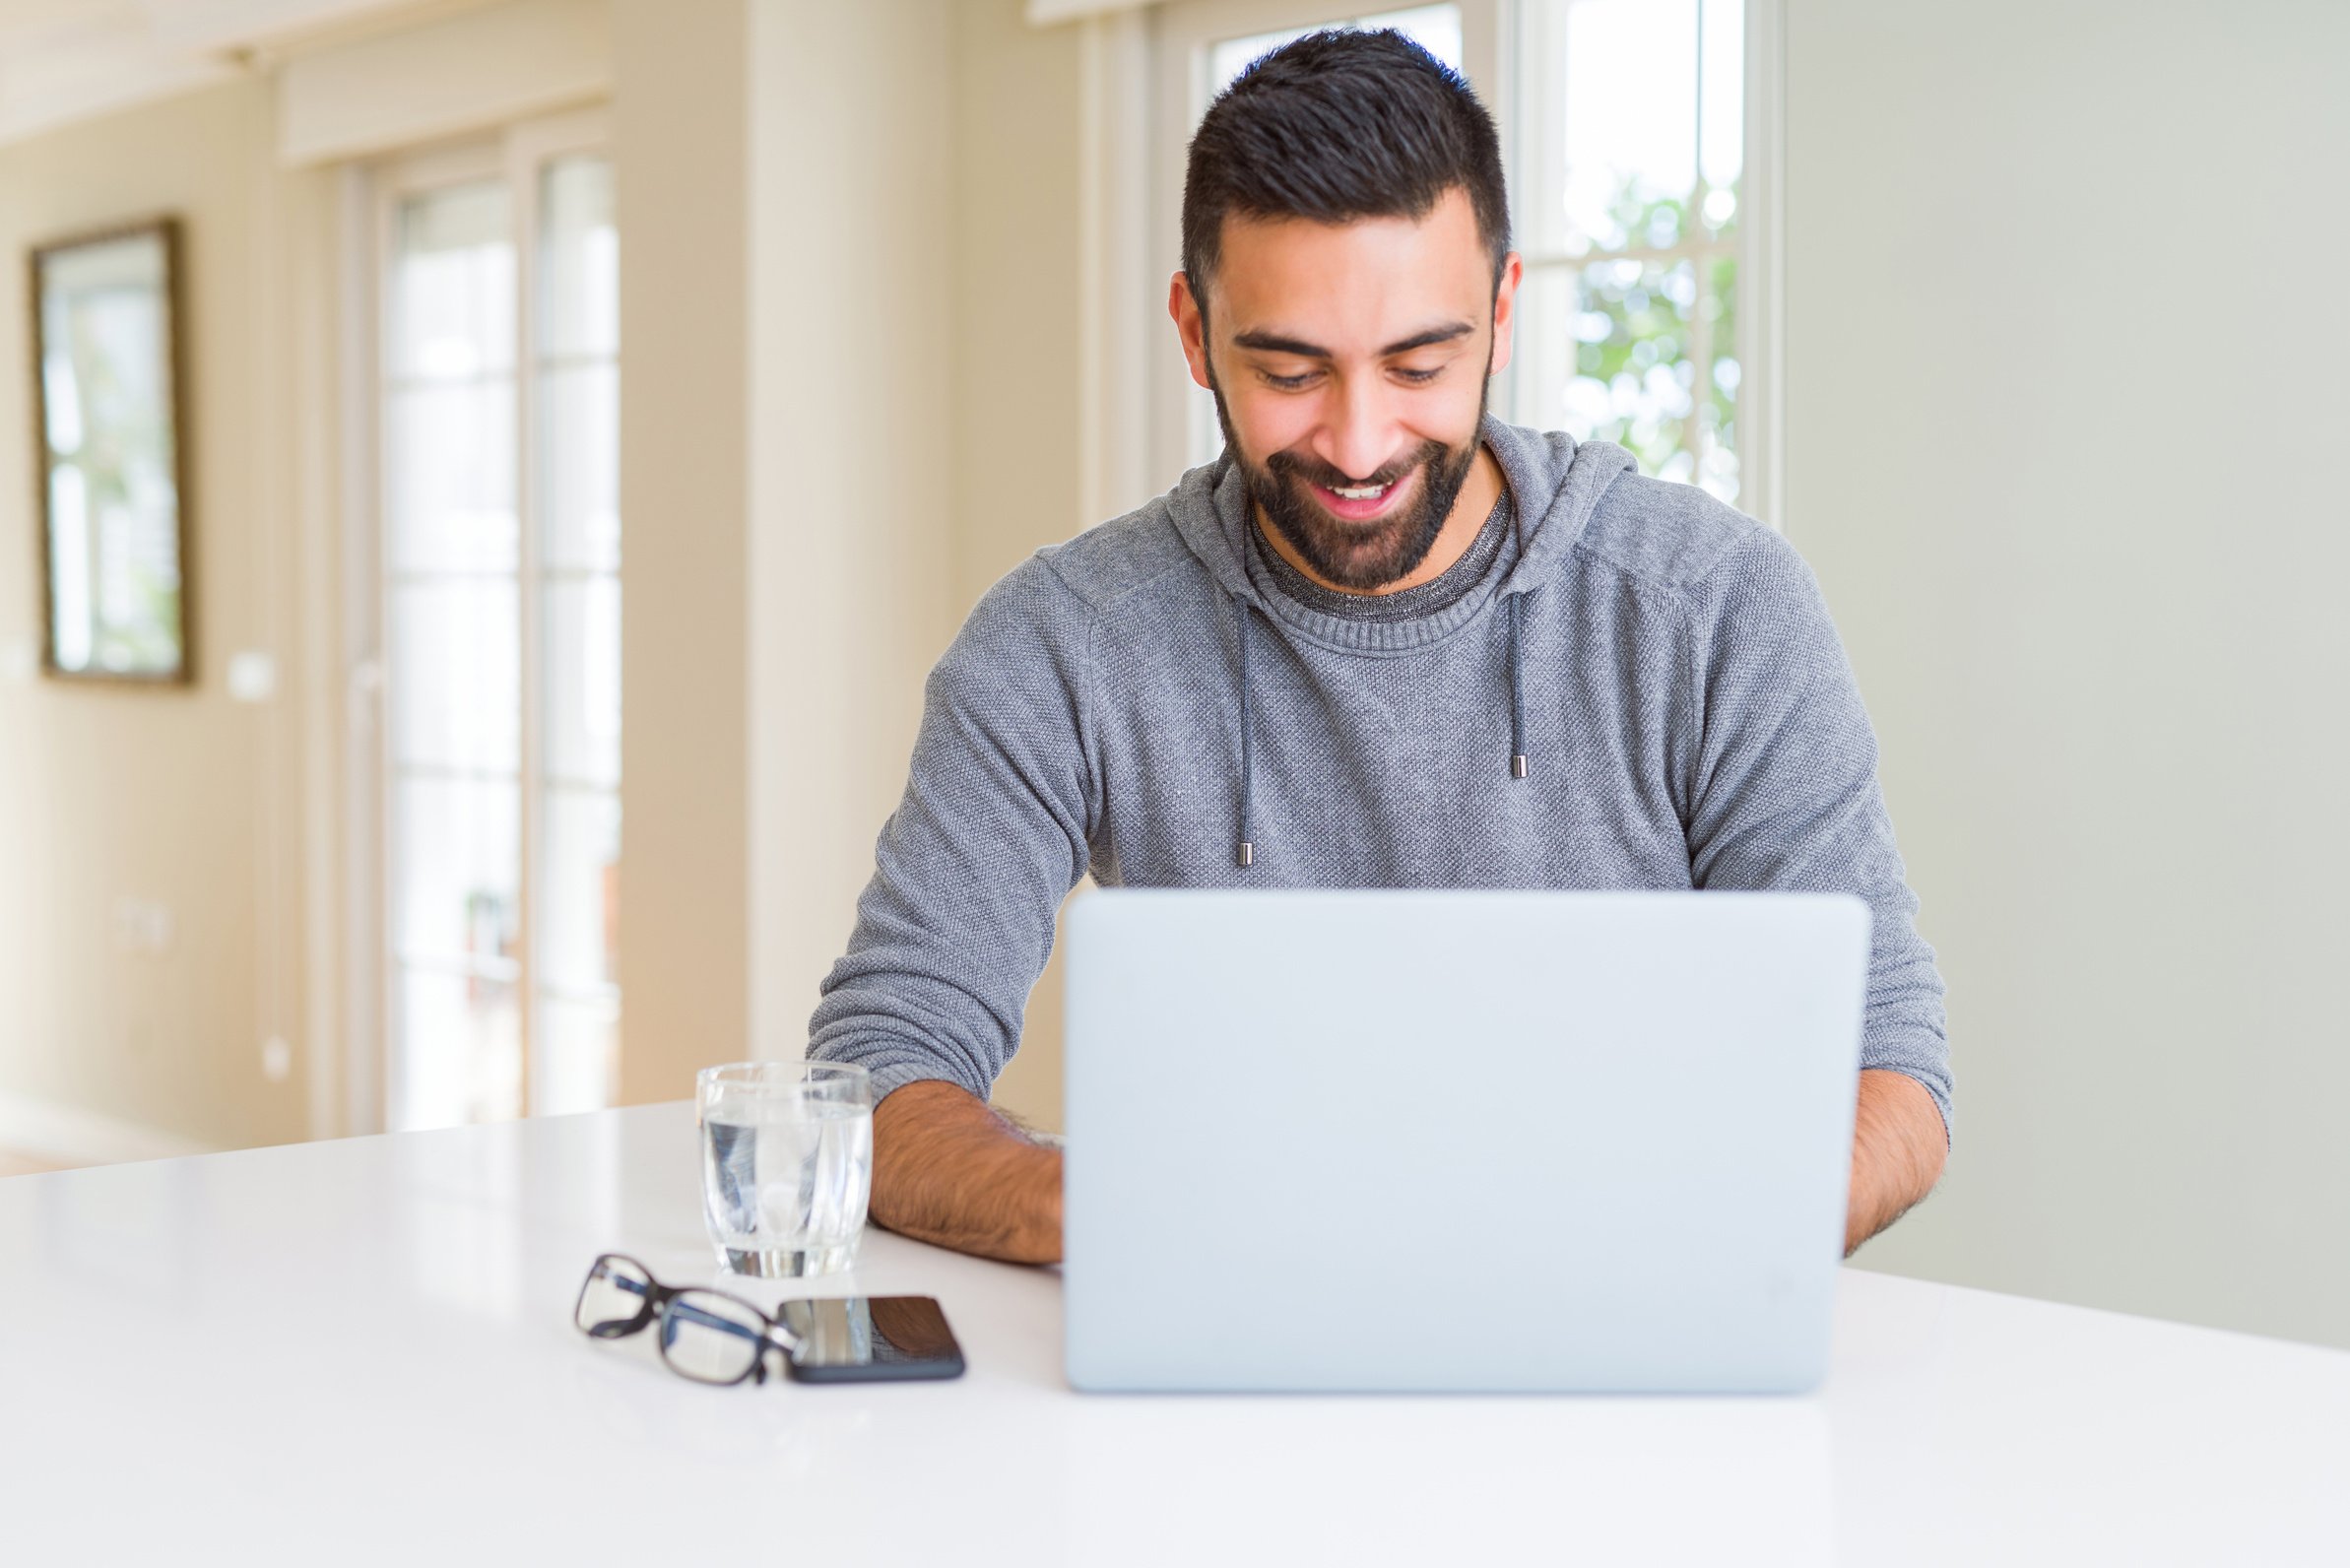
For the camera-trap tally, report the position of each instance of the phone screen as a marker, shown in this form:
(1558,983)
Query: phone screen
(871,1339)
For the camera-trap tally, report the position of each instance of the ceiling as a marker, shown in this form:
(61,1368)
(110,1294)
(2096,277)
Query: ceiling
(66,60)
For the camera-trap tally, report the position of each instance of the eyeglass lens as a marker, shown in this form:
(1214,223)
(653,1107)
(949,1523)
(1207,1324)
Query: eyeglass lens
(613,1301)
(710,1336)
(705,1334)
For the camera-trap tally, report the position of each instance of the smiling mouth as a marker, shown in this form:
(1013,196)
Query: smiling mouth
(1357,504)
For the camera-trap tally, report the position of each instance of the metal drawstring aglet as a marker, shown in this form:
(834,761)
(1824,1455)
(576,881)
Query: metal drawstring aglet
(1247,854)
(1517,765)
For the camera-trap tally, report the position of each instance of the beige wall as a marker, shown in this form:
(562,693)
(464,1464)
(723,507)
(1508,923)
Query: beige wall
(1017,371)
(680,126)
(853,257)
(2065,436)
(928,262)
(181,797)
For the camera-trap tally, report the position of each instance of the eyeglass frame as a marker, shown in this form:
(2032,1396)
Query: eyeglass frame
(658,1301)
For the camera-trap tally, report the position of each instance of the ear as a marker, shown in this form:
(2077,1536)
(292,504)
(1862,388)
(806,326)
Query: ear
(1505,313)
(1190,326)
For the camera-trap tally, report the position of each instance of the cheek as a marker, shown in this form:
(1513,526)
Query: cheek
(1271,421)
(1447,411)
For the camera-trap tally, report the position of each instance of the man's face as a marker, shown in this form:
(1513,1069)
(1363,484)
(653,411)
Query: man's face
(1350,364)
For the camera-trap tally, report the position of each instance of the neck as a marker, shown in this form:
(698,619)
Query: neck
(1478,494)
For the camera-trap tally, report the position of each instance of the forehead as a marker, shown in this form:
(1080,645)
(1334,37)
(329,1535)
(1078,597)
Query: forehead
(1365,282)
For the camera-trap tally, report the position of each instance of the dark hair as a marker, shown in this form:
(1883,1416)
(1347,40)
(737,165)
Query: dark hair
(1336,126)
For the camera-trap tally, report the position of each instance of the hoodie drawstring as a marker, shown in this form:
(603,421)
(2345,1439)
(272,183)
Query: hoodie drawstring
(1518,768)
(1245,853)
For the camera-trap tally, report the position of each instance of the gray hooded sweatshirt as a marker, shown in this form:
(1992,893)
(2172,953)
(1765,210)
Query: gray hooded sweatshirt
(1652,696)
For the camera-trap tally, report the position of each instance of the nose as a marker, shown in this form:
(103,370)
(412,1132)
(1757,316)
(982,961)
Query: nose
(1361,433)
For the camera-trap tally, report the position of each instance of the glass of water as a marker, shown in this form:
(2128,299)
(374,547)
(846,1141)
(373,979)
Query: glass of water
(786,1164)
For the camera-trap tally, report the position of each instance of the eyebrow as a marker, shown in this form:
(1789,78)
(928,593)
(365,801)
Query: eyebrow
(1275,343)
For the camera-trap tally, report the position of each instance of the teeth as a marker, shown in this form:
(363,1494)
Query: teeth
(1362,494)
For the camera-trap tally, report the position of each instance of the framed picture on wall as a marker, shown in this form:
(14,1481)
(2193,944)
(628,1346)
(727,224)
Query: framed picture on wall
(111,455)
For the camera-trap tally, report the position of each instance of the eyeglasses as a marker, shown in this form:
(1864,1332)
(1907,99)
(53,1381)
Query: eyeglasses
(707,1336)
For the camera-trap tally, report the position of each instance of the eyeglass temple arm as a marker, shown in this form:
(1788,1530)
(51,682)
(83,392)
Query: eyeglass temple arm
(770,1332)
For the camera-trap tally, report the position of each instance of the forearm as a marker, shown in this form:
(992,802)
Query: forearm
(1898,1148)
(949,1170)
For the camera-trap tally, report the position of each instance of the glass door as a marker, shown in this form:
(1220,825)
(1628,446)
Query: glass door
(498,413)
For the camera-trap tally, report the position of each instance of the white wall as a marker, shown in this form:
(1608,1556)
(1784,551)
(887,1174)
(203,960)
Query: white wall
(2067,384)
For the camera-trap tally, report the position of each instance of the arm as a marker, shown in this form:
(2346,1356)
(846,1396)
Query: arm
(1898,1149)
(1782,789)
(949,1171)
(951,931)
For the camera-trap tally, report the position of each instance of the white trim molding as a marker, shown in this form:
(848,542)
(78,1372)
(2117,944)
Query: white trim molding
(470,72)
(1049,12)
(1116,282)
(1762,451)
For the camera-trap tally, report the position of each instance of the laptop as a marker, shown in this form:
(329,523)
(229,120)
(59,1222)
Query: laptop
(1441,1141)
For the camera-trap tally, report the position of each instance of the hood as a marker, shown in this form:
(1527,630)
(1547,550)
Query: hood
(1555,482)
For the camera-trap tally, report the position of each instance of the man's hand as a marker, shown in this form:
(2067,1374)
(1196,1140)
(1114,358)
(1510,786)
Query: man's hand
(1898,1147)
(949,1170)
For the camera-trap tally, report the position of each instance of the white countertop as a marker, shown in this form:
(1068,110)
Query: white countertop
(362,1352)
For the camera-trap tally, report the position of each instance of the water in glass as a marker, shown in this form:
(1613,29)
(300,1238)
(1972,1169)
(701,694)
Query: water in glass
(786,1173)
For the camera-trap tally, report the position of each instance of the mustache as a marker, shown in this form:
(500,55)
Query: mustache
(1315,471)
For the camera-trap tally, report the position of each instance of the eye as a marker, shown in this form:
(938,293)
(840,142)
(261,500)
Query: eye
(1419,378)
(1288,383)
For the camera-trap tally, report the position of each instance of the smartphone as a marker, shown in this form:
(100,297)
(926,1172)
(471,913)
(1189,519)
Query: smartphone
(870,1339)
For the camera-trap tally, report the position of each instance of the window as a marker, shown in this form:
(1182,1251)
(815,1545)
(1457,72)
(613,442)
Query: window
(498,396)
(1630,153)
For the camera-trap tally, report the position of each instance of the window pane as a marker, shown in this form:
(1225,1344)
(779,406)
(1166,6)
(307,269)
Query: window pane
(1614,82)
(457,874)
(578,912)
(1722,153)
(1610,357)
(1717,448)
(575,908)
(579,249)
(579,467)
(449,478)
(579,1057)
(456,688)
(452,285)
(459,1055)
(582,682)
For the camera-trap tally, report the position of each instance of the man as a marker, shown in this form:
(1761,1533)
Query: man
(1383,641)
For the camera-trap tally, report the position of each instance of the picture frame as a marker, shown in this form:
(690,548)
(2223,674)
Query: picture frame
(111,455)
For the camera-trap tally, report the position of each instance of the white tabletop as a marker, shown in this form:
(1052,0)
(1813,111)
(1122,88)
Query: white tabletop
(362,1352)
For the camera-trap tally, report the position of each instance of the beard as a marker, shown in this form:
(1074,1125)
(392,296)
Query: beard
(1359,555)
